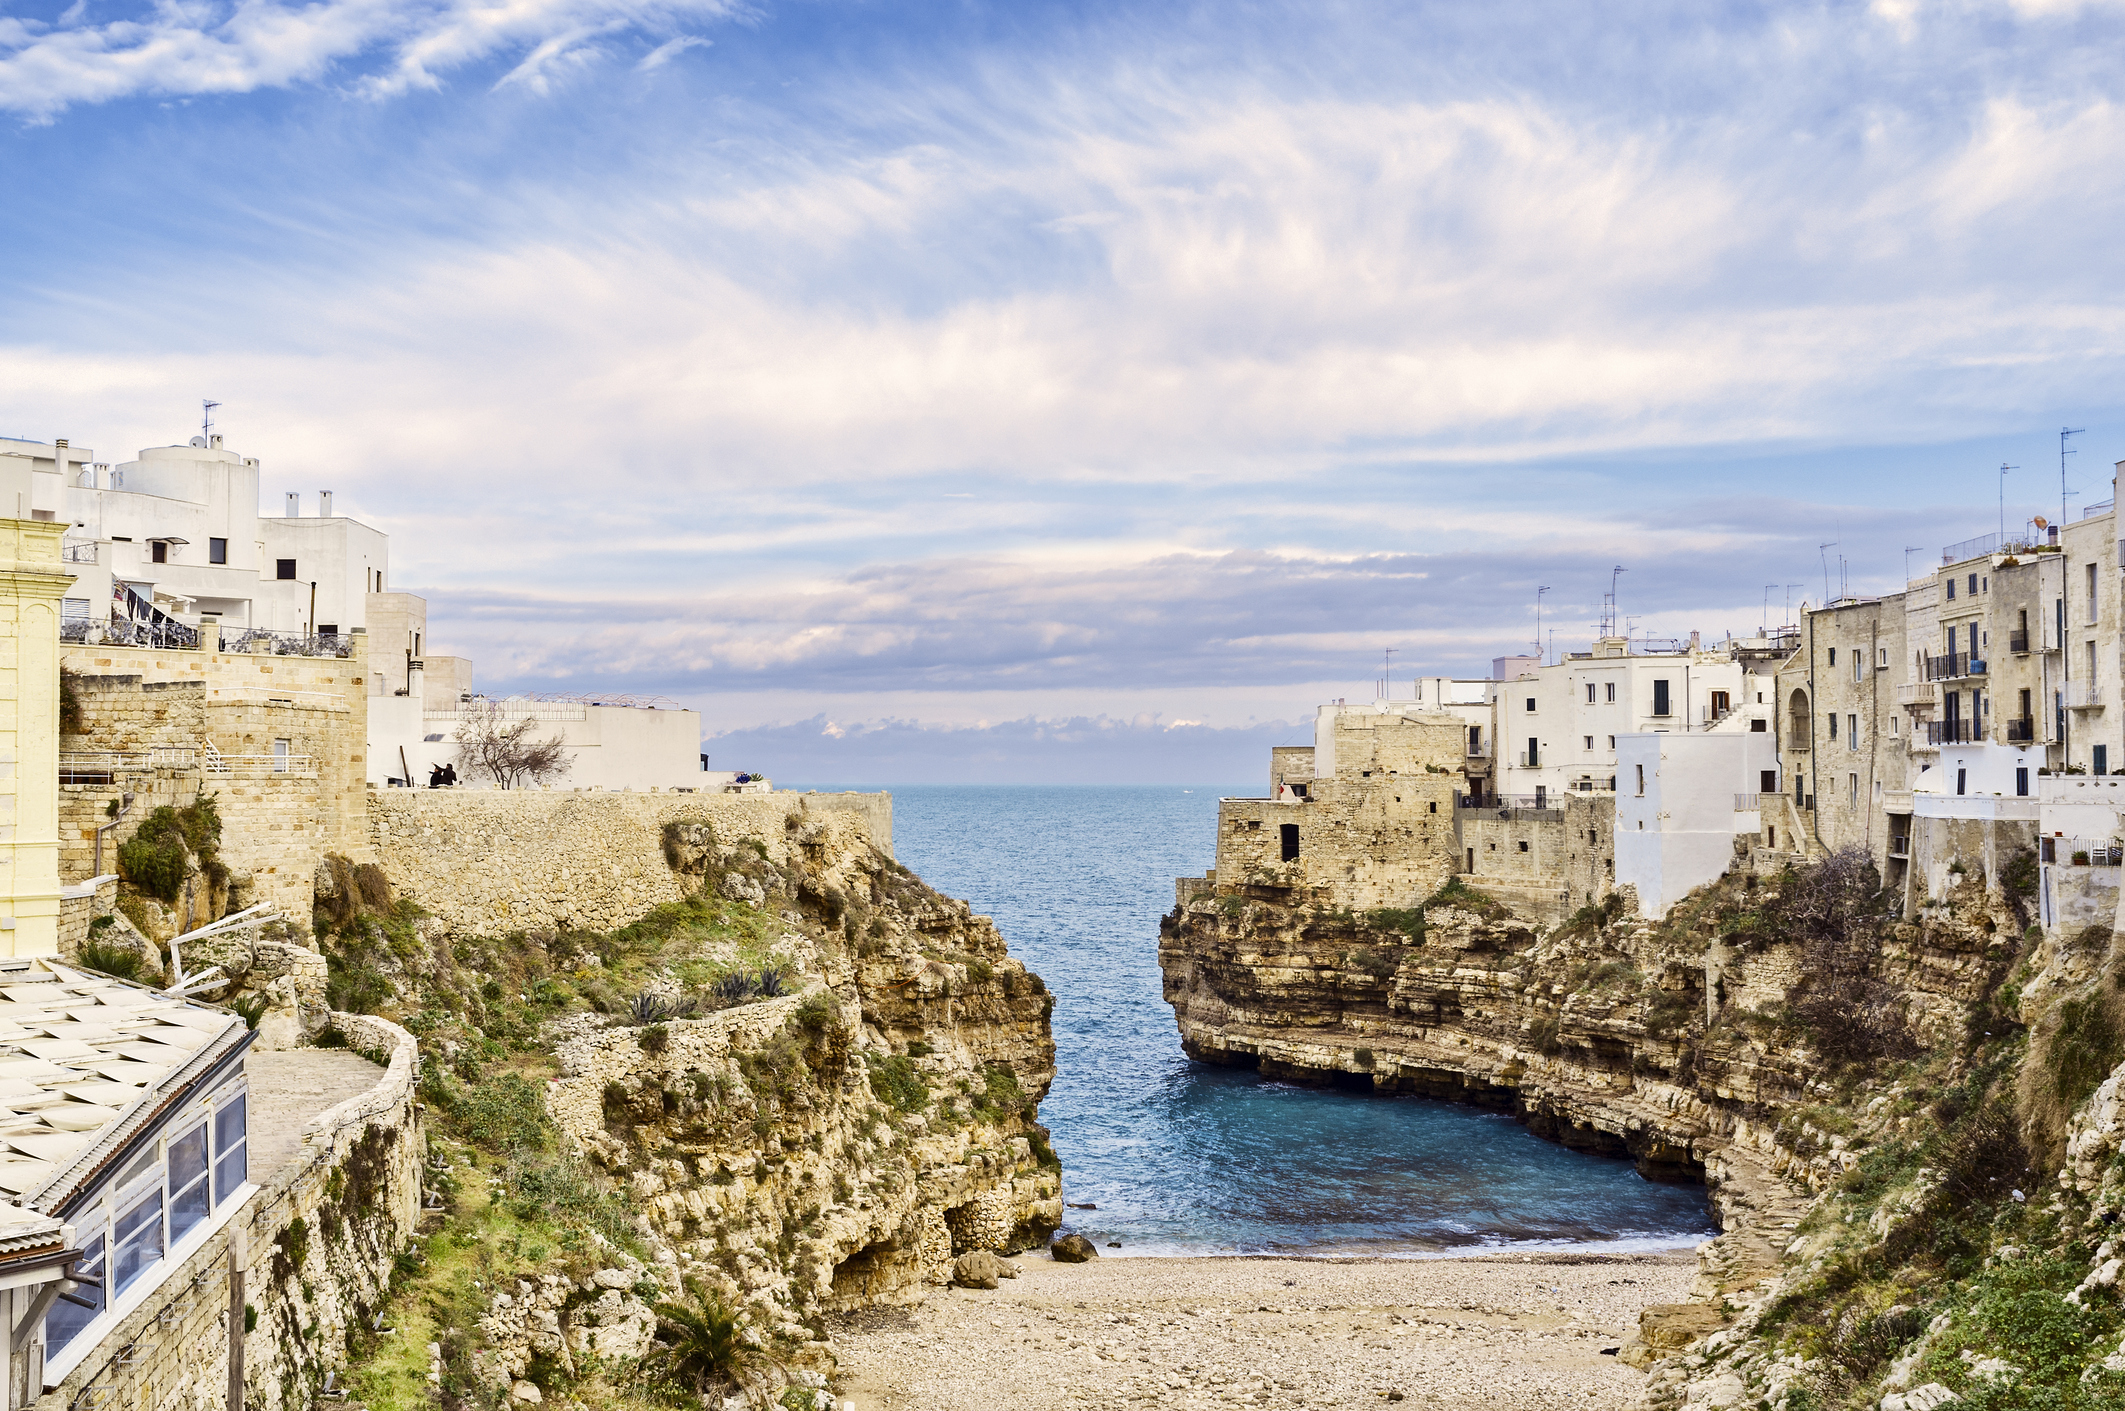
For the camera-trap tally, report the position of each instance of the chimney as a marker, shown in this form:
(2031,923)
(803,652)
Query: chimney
(295,505)
(324,504)
(59,458)
(214,441)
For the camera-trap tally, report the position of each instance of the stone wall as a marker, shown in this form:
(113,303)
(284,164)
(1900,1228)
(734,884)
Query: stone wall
(355,1189)
(491,861)
(277,821)
(1544,862)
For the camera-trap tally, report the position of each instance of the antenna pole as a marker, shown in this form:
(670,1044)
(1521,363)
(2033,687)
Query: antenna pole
(2064,432)
(1538,625)
(206,419)
(1767,606)
(1824,550)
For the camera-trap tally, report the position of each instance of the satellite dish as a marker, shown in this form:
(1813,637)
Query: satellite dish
(2040,522)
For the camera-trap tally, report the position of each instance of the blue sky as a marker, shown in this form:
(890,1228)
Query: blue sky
(869,369)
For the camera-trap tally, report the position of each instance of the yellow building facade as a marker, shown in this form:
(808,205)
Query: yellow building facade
(32,582)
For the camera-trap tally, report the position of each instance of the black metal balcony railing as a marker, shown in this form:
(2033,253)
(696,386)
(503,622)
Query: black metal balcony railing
(1954,665)
(2018,643)
(2020,732)
(1950,732)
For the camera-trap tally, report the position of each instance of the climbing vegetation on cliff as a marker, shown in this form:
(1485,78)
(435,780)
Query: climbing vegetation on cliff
(160,855)
(895,1083)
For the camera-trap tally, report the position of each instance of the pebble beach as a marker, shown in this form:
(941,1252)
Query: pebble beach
(1518,1330)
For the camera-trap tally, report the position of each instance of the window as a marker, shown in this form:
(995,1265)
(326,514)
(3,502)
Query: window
(1534,754)
(1951,590)
(2021,782)
(1852,732)
(1759,726)
(1523,845)
(1641,781)
(136,1240)
(1833,724)
(1962,777)
(217,551)
(75,1311)
(1720,704)
(1612,742)
(1590,742)
(2101,761)
(1892,725)
(1611,693)
(1973,585)
(2091,592)
(284,569)
(1531,705)
(1433,809)
(231,1165)
(1884,654)
(1589,693)
(1859,667)
(280,756)
(1660,698)
(159,551)
(328,629)
(190,1196)
(1767,781)
(1288,841)
(1852,789)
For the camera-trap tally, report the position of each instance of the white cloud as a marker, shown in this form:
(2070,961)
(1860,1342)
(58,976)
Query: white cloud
(670,49)
(184,47)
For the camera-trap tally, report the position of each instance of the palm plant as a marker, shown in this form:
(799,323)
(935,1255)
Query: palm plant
(704,1339)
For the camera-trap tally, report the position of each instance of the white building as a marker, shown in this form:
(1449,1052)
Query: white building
(172,543)
(1681,800)
(1557,726)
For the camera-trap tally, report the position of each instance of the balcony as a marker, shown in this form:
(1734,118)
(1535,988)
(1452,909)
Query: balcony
(1951,732)
(2018,643)
(1954,666)
(1748,803)
(2019,732)
(2084,695)
(1796,740)
(1918,695)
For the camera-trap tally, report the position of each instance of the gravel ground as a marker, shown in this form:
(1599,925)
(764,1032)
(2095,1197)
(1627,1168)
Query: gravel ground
(1508,1331)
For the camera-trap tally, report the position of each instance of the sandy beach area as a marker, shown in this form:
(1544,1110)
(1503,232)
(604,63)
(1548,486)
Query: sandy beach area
(1500,1331)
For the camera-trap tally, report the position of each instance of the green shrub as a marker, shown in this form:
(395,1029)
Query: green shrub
(895,1083)
(506,1113)
(980,971)
(1408,920)
(119,961)
(154,858)
(1380,964)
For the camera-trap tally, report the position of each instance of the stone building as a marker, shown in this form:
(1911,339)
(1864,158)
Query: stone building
(33,583)
(1364,819)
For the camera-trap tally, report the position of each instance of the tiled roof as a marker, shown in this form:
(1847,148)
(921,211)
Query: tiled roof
(79,1054)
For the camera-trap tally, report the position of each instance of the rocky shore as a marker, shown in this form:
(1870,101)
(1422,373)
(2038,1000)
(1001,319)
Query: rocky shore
(1504,1330)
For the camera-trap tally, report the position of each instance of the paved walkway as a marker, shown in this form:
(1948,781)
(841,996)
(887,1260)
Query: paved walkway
(290,1087)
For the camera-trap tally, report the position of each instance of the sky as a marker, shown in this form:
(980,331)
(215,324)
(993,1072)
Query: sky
(1039,392)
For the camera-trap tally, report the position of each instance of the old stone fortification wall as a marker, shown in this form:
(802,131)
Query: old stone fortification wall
(1543,862)
(492,861)
(315,1245)
(277,821)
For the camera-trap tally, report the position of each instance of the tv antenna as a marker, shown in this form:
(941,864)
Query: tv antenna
(206,419)
(1789,605)
(2004,468)
(1387,673)
(1538,625)
(1824,550)
(1608,604)
(1767,607)
(1908,552)
(2064,432)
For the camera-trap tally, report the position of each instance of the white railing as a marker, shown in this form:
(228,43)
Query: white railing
(510,710)
(255,765)
(1917,693)
(125,761)
(1747,803)
(2082,694)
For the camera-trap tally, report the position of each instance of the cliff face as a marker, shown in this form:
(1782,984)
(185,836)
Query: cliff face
(833,1142)
(1596,1031)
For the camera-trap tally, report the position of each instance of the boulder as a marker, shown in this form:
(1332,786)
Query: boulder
(1006,1269)
(1072,1249)
(525,1391)
(976,1269)
(1670,1327)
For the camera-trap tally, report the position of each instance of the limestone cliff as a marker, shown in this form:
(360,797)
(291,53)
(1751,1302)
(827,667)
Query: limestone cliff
(830,1138)
(1878,1104)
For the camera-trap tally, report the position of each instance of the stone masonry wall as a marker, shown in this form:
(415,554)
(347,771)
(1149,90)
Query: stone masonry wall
(492,861)
(355,1187)
(276,825)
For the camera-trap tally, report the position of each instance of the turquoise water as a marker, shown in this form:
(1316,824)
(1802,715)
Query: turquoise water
(1184,1157)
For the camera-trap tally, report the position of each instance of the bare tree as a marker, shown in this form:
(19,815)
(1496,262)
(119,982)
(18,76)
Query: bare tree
(507,753)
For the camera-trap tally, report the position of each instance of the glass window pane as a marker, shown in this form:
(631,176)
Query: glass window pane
(188,1157)
(229,1173)
(66,1320)
(137,1242)
(187,1208)
(229,1125)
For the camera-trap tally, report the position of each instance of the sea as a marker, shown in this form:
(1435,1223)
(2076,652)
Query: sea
(1166,1156)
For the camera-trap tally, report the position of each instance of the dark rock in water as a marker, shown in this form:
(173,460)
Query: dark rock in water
(1074,1206)
(976,1269)
(1114,1244)
(1072,1249)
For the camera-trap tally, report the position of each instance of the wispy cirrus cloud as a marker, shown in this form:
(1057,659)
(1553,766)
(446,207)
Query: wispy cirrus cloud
(382,48)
